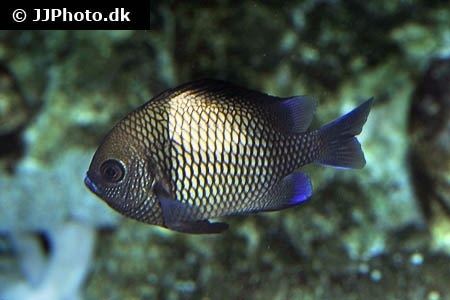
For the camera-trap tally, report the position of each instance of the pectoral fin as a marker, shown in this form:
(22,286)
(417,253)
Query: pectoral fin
(183,217)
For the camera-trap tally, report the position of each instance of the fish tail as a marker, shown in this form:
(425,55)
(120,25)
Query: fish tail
(340,148)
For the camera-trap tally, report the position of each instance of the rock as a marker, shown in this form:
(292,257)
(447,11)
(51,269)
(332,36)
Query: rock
(429,124)
(13,107)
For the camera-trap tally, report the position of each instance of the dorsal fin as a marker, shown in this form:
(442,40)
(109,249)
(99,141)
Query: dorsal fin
(294,114)
(290,115)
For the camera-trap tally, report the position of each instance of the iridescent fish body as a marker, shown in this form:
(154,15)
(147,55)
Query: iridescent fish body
(208,149)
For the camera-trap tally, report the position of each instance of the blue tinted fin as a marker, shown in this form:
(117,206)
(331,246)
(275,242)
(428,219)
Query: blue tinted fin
(294,114)
(182,217)
(341,148)
(292,190)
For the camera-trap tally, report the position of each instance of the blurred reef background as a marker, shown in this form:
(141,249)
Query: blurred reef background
(379,233)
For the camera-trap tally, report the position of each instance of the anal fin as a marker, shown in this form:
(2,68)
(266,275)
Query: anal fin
(292,190)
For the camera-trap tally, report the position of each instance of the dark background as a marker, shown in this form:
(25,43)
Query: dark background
(378,233)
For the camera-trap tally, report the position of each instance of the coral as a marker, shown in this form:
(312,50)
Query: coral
(52,206)
(50,195)
(60,275)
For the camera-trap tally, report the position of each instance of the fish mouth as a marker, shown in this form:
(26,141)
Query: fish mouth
(91,185)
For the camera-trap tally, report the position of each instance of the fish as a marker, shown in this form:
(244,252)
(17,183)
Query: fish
(209,149)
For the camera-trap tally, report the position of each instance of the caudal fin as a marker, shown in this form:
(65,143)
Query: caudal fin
(341,148)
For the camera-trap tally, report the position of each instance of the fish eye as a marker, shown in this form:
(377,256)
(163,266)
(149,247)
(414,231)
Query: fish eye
(112,171)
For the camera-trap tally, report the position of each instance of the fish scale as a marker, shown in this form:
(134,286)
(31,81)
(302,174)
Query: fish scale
(225,140)
(209,148)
